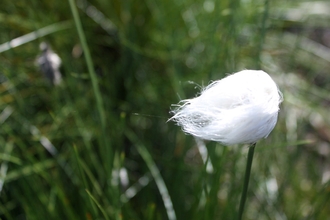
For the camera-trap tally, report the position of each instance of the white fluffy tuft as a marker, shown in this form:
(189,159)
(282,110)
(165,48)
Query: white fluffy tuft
(240,108)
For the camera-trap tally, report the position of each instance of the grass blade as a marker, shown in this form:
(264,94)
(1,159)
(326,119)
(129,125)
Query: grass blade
(93,77)
(35,35)
(143,151)
(97,204)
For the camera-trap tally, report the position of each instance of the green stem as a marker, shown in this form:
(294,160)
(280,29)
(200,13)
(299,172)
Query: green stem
(89,62)
(93,77)
(246,180)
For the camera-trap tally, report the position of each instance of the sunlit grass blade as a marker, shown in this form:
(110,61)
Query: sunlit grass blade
(135,188)
(143,151)
(4,165)
(98,17)
(35,35)
(30,169)
(97,204)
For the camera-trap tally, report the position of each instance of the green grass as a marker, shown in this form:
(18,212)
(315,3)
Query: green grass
(62,148)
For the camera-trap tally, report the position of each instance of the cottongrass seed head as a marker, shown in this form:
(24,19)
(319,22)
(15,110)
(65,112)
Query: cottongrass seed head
(238,109)
(50,63)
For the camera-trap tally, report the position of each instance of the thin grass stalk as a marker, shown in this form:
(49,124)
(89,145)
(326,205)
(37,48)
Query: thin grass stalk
(159,181)
(92,74)
(84,179)
(143,151)
(262,33)
(246,180)
(98,204)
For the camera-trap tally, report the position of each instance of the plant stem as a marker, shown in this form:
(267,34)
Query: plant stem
(89,62)
(246,180)
(97,94)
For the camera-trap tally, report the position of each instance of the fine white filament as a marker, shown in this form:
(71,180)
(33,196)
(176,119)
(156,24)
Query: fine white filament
(240,108)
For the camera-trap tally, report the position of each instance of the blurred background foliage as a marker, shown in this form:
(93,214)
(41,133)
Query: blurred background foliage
(57,163)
